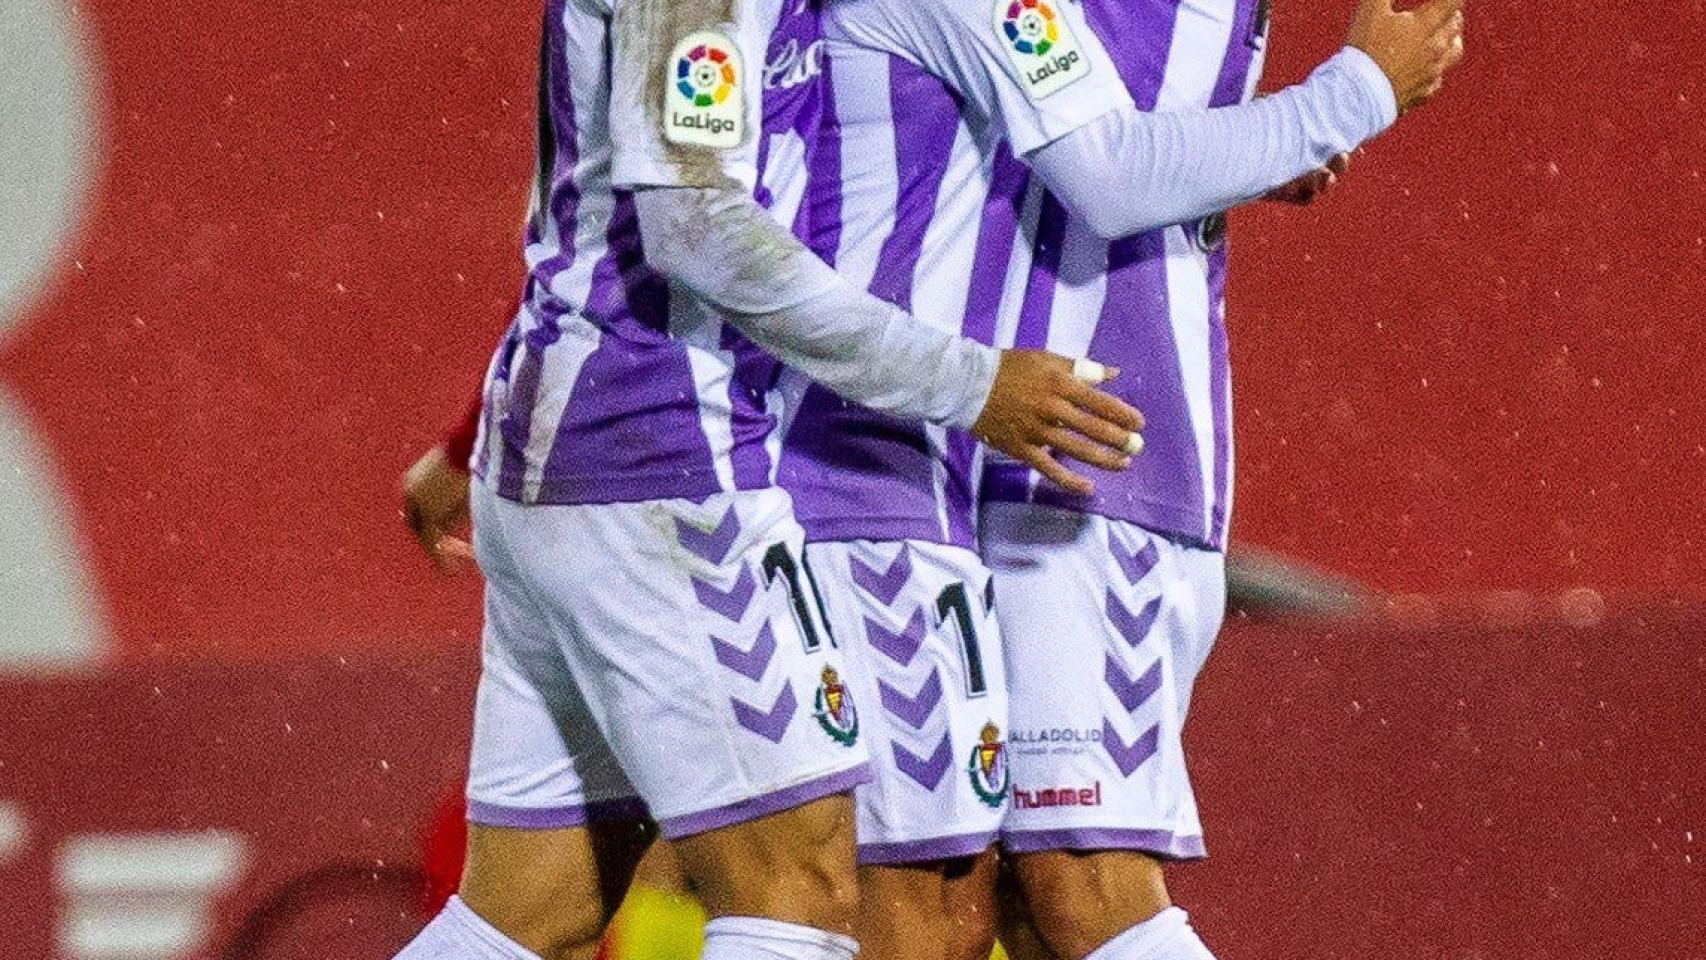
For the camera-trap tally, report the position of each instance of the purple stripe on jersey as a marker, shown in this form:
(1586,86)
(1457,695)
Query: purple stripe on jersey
(1135,333)
(623,285)
(1034,312)
(1240,53)
(755,374)
(563,134)
(819,222)
(1138,36)
(1164,844)
(1009,181)
(555,818)
(1220,398)
(848,467)
(927,119)
(923,851)
(517,423)
(496,374)
(633,414)
(689,824)
(959,488)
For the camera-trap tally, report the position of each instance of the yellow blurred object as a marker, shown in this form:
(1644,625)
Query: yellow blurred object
(656,924)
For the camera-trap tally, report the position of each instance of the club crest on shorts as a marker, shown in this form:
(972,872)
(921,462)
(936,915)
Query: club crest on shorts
(988,767)
(703,106)
(1042,46)
(834,711)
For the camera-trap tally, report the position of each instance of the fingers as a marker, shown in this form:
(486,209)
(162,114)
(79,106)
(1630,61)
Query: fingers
(1439,13)
(1084,451)
(1374,6)
(1105,406)
(1454,54)
(1049,467)
(1096,429)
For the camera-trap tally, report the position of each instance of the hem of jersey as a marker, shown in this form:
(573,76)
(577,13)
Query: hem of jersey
(763,805)
(1004,485)
(1163,844)
(641,488)
(924,851)
(875,529)
(555,818)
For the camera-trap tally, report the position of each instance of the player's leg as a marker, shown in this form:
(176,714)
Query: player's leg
(1014,926)
(555,829)
(915,618)
(708,668)
(1107,626)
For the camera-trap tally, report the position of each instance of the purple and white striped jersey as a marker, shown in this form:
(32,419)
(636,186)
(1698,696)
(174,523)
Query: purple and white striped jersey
(928,107)
(610,386)
(1153,304)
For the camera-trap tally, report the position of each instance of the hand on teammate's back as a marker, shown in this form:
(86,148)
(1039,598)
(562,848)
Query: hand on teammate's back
(435,503)
(1311,186)
(1414,48)
(1038,408)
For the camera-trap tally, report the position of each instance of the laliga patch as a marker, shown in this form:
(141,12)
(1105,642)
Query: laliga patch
(1042,46)
(703,106)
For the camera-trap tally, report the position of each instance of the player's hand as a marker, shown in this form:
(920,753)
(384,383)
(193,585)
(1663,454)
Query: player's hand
(435,505)
(1414,48)
(1040,406)
(1305,189)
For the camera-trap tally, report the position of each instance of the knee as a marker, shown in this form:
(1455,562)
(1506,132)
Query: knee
(1079,901)
(795,867)
(513,881)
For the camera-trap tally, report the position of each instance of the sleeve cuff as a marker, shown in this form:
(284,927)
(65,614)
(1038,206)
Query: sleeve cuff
(1377,88)
(981,364)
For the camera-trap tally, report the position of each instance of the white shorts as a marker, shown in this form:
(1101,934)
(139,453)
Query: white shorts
(1107,626)
(914,619)
(667,652)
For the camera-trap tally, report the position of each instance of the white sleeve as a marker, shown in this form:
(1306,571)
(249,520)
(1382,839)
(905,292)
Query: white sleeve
(1032,69)
(686,97)
(1178,166)
(727,251)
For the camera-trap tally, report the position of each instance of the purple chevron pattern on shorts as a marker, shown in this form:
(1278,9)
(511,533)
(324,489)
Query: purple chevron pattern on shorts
(750,664)
(711,545)
(1134,627)
(1135,565)
(731,603)
(1132,694)
(770,724)
(900,647)
(1129,758)
(927,771)
(913,710)
(885,586)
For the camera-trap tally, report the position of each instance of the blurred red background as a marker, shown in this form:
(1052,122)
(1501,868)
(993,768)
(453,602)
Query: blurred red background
(1477,366)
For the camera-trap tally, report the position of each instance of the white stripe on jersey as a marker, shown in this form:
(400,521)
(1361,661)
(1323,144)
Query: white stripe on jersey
(1187,301)
(941,281)
(937,438)
(711,369)
(1201,34)
(868,204)
(785,176)
(1203,26)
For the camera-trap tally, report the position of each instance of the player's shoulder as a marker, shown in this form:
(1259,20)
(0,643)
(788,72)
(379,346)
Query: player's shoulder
(913,19)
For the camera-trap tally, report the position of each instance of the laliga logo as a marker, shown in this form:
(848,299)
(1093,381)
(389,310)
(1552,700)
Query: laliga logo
(705,78)
(1032,27)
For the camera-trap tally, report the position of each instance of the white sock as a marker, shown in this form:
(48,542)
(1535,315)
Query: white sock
(1165,936)
(753,938)
(458,933)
